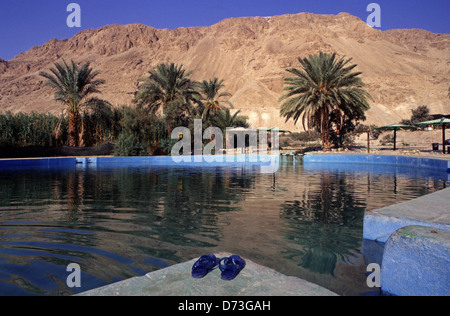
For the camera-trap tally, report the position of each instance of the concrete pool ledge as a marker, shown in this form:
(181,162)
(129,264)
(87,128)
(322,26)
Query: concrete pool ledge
(176,280)
(429,210)
(416,253)
(416,262)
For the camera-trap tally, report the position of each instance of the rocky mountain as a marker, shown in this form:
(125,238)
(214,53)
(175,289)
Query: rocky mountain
(402,68)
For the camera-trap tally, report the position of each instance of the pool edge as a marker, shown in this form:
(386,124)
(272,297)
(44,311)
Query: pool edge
(176,280)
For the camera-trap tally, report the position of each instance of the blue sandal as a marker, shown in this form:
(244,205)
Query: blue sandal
(231,267)
(204,265)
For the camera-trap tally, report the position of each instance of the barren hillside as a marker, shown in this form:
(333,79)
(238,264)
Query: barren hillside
(402,68)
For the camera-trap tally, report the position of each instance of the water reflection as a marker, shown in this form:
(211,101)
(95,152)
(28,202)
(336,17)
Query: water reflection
(145,216)
(75,189)
(326,221)
(126,221)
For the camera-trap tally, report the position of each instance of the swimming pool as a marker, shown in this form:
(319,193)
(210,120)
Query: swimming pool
(127,219)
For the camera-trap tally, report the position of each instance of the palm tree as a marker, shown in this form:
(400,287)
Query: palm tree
(212,98)
(325,85)
(225,119)
(167,88)
(73,86)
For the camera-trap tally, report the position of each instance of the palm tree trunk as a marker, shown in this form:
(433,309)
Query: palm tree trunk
(169,127)
(325,133)
(81,135)
(73,128)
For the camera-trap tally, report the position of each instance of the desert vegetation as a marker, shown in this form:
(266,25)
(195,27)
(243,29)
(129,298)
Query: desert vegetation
(73,87)
(165,99)
(34,129)
(325,93)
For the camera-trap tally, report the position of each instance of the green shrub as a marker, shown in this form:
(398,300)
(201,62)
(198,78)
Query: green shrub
(33,129)
(141,134)
(101,125)
(128,145)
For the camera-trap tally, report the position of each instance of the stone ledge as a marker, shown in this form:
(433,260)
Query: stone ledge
(416,261)
(429,210)
(254,280)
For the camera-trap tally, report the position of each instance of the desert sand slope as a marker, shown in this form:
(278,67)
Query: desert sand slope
(402,68)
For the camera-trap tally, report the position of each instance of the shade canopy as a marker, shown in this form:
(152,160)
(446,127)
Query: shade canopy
(442,122)
(280,130)
(395,128)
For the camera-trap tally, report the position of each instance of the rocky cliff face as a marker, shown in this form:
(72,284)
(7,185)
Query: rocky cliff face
(402,68)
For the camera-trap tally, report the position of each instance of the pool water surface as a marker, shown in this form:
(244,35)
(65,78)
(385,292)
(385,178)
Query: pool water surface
(306,220)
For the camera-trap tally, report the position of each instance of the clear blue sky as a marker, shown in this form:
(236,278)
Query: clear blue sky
(27,23)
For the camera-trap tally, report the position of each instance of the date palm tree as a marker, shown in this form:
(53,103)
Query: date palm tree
(170,89)
(324,85)
(73,87)
(225,119)
(212,100)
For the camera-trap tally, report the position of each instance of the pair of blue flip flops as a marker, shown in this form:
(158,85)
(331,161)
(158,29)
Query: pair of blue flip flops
(230,266)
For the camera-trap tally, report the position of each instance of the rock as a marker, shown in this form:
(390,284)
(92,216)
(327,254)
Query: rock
(253,280)
(402,68)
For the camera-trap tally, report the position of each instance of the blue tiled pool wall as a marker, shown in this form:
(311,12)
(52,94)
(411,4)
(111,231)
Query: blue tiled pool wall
(381,163)
(186,161)
(37,163)
(399,161)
